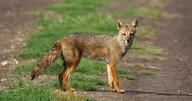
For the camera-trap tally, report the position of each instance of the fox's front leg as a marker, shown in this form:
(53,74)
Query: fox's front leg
(113,78)
(110,78)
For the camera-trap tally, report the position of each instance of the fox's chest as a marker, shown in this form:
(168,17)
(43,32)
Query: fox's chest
(125,47)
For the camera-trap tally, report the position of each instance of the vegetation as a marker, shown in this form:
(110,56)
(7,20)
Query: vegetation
(75,16)
(146,72)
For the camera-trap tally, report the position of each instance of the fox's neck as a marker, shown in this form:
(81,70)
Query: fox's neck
(124,44)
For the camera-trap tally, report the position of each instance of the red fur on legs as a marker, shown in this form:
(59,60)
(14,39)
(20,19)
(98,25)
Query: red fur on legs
(115,78)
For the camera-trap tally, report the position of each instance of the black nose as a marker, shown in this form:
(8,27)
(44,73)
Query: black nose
(128,41)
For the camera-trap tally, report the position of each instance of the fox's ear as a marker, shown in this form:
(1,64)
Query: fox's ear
(119,24)
(134,23)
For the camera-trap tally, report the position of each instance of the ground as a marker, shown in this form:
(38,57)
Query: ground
(174,81)
(15,28)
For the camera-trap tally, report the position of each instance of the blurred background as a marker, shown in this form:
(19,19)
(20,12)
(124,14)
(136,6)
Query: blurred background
(158,67)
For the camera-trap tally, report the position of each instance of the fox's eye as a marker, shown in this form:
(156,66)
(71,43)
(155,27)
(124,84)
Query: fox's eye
(131,33)
(124,34)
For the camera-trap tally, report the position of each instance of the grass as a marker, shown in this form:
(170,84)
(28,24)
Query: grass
(142,11)
(69,7)
(90,67)
(40,93)
(127,77)
(143,65)
(27,94)
(147,31)
(157,3)
(123,71)
(69,96)
(125,74)
(145,50)
(146,72)
(21,90)
(78,5)
(82,82)
(79,82)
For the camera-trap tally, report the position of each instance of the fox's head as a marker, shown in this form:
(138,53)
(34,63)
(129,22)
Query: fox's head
(126,30)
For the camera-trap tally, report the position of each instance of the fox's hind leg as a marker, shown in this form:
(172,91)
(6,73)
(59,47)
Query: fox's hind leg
(61,79)
(67,75)
(71,58)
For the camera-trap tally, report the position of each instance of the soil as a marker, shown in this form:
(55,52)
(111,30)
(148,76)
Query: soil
(15,27)
(175,72)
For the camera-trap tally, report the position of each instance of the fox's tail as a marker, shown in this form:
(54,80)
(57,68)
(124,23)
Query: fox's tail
(46,60)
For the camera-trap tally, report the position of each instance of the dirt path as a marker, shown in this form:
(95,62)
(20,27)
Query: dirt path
(15,27)
(175,80)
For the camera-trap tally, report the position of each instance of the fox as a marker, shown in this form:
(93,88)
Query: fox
(71,48)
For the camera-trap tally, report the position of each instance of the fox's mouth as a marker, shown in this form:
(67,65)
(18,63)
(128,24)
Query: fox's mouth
(126,42)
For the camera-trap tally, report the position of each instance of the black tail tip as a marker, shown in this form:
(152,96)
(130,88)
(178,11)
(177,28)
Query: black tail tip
(34,73)
(32,76)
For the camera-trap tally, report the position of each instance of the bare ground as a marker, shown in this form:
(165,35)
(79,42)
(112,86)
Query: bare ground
(15,28)
(175,79)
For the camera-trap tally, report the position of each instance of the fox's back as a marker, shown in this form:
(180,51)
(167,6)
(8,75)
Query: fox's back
(94,46)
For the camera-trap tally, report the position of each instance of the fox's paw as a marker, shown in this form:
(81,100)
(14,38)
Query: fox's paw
(121,91)
(71,89)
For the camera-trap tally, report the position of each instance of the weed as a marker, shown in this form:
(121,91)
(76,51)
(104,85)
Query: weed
(27,94)
(142,11)
(147,72)
(143,65)
(69,96)
(123,71)
(144,50)
(145,30)
(128,77)
(79,81)
(19,83)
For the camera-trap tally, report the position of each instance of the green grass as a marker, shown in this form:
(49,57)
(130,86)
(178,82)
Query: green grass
(123,71)
(142,11)
(73,8)
(125,74)
(80,82)
(145,50)
(143,65)
(69,6)
(33,93)
(147,31)
(91,67)
(40,93)
(69,96)
(19,83)
(146,72)
(22,90)
(127,77)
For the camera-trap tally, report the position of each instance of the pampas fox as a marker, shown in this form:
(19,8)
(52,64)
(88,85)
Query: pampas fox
(94,46)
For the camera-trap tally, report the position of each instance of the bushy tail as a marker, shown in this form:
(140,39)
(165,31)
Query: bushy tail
(46,60)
